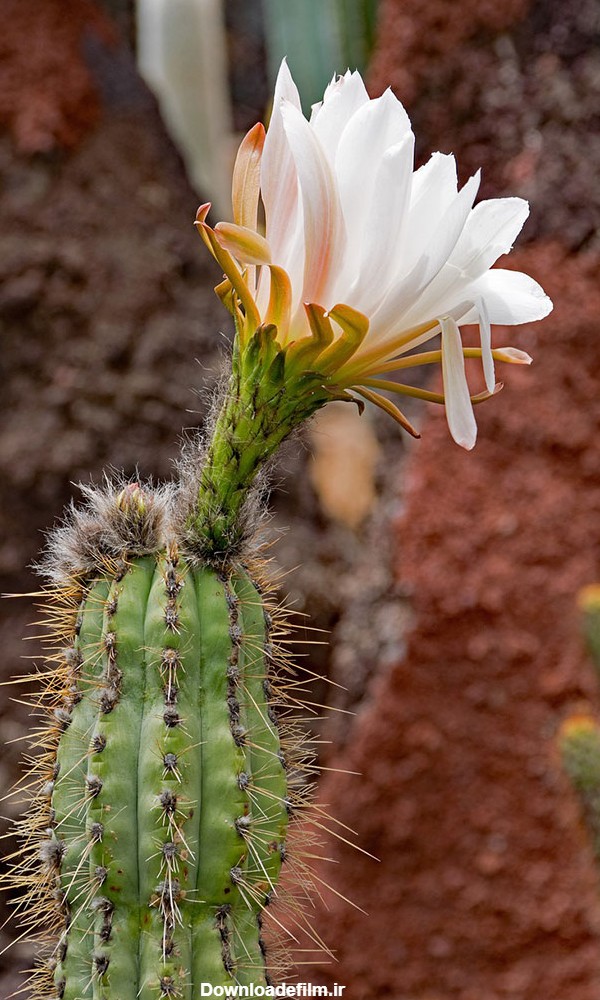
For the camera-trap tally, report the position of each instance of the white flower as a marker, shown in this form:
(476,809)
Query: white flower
(363,259)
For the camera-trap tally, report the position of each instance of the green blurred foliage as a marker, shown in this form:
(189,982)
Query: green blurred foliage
(579,743)
(589,605)
(319,37)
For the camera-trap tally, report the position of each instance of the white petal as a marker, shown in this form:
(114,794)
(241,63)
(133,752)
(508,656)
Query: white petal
(314,111)
(372,129)
(343,97)
(512,297)
(422,293)
(278,178)
(323,224)
(385,237)
(438,173)
(434,187)
(450,228)
(490,231)
(459,409)
(485,334)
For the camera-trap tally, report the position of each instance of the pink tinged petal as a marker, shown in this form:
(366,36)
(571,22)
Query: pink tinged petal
(490,231)
(245,244)
(512,297)
(202,212)
(385,238)
(343,97)
(323,224)
(278,177)
(459,409)
(245,187)
(485,334)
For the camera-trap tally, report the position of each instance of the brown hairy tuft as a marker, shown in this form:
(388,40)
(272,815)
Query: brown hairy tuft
(117,519)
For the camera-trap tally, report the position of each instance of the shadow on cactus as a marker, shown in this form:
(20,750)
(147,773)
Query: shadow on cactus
(168,760)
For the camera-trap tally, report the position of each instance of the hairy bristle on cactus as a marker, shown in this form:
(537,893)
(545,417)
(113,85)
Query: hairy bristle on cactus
(166,768)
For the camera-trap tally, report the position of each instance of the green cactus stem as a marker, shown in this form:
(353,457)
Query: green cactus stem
(162,811)
(260,409)
(158,830)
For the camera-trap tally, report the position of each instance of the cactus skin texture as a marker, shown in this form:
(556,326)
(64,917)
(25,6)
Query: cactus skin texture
(168,760)
(156,834)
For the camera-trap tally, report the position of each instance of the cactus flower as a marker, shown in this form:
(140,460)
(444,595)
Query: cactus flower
(363,259)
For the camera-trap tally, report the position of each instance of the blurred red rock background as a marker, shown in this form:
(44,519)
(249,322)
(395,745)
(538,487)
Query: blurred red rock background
(453,607)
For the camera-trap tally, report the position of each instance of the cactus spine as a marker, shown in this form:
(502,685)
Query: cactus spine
(169,801)
(165,784)
(163,807)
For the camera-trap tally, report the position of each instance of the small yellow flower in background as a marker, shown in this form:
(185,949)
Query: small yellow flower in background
(364,259)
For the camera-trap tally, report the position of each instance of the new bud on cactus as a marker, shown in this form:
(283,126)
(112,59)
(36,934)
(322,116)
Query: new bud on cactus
(132,501)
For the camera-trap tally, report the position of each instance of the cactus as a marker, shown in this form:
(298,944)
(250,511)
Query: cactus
(167,768)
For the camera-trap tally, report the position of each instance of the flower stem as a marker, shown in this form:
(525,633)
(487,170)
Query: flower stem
(260,409)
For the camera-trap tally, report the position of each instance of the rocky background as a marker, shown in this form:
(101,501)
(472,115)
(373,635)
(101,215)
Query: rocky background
(450,591)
